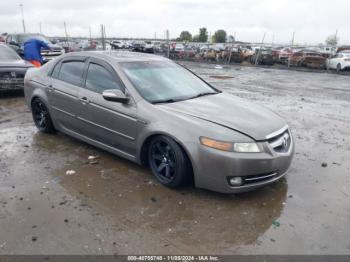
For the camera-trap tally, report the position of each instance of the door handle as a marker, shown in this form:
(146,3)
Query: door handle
(84,99)
(50,88)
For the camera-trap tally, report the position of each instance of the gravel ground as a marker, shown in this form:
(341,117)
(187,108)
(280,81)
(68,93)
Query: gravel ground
(112,206)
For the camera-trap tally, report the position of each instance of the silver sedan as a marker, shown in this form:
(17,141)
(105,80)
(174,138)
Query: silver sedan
(157,113)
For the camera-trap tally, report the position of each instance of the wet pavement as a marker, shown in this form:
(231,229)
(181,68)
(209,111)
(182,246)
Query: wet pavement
(112,206)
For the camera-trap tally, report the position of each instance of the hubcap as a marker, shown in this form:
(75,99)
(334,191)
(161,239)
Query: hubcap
(162,160)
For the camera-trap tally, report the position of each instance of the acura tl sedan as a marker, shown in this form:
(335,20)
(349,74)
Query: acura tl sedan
(155,112)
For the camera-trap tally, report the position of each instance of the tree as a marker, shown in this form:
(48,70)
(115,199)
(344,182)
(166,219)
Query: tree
(332,40)
(203,35)
(185,36)
(219,36)
(195,38)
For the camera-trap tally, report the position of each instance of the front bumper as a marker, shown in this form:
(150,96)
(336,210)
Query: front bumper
(12,78)
(215,167)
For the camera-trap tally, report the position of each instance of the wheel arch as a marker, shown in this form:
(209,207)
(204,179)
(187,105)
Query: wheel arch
(142,155)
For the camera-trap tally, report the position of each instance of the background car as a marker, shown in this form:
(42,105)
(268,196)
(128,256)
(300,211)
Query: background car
(16,41)
(339,62)
(262,56)
(307,58)
(12,69)
(115,44)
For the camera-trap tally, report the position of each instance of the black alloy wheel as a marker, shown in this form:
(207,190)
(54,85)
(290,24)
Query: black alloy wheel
(41,116)
(168,162)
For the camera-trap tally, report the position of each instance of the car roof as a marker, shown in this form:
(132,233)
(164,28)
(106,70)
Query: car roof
(23,34)
(119,56)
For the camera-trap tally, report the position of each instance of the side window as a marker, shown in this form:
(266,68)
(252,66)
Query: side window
(99,79)
(71,72)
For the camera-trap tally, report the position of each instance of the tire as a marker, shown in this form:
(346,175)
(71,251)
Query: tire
(168,162)
(338,68)
(41,116)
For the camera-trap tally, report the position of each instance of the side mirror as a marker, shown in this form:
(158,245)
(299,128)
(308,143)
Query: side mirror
(115,95)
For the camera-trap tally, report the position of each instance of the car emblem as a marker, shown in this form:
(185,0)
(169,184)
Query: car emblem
(13,74)
(285,141)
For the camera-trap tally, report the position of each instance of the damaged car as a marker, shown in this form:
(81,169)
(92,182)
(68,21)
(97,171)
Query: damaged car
(155,112)
(307,58)
(12,69)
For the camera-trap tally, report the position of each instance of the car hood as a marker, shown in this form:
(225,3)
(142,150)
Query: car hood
(16,63)
(232,112)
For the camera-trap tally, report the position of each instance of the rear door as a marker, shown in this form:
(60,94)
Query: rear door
(66,80)
(111,123)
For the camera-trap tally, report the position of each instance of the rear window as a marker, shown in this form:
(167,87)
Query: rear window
(7,54)
(71,72)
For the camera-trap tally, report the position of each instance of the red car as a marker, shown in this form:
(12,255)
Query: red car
(282,54)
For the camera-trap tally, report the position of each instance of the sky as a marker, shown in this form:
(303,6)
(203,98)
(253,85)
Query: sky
(312,20)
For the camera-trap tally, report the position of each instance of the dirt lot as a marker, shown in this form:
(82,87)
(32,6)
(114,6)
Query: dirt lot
(117,207)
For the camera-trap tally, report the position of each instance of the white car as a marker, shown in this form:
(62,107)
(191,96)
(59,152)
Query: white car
(117,44)
(339,61)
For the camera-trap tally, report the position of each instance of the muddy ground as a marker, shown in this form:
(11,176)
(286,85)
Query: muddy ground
(117,207)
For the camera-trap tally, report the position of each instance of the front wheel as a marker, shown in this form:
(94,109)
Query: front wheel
(168,162)
(41,116)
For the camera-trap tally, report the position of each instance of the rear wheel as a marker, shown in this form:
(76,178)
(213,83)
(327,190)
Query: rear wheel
(168,162)
(41,116)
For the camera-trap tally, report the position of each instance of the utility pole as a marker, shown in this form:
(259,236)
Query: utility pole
(155,36)
(40,28)
(291,50)
(262,42)
(65,31)
(336,35)
(168,44)
(23,24)
(103,36)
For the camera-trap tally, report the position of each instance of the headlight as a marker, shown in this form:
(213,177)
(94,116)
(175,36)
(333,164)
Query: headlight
(246,147)
(250,147)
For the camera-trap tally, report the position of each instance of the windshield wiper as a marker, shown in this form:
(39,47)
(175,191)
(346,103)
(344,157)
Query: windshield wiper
(202,94)
(165,101)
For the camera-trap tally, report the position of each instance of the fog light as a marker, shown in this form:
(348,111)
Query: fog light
(235,181)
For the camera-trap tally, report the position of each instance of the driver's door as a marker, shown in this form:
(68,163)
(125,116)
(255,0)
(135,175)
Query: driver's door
(111,123)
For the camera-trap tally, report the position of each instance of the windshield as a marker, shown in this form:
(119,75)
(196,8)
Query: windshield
(165,81)
(346,54)
(7,54)
(23,38)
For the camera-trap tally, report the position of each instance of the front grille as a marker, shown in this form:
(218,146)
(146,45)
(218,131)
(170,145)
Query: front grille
(281,142)
(259,178)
